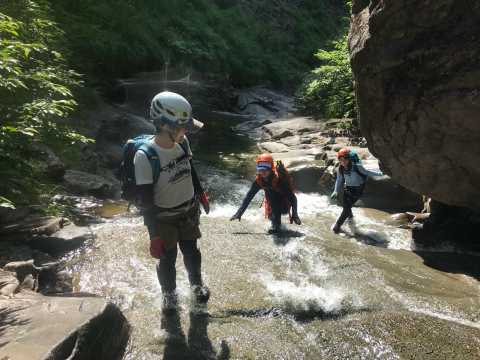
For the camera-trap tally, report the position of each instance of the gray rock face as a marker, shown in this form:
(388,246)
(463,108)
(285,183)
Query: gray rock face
(69,237)
(262,101)
(9,285)
(417,74)
(305,177)
(50,235)
(50,164)
(81,183)
(52,327)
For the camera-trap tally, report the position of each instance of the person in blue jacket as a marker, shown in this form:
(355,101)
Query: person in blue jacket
(355,176)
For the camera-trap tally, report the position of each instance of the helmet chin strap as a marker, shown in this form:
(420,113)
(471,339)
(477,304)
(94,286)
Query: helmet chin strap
(170,131)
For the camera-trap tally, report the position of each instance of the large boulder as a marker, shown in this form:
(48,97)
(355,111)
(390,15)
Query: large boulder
(305,177)
(82,183)
(50,235)
(48,162)
(9,284)
(417,76)
(75,326)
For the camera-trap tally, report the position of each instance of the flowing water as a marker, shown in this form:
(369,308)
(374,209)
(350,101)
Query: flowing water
(304,293)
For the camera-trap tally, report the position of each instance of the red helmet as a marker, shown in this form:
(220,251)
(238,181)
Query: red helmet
(344,152)
(265,161)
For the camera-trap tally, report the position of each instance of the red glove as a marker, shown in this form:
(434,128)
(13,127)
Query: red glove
(158,249)
(205,202)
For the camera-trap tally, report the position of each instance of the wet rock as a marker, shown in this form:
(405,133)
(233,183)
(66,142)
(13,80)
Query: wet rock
(29,283)
(322,156)
(305,177)
(21,269)
(53,327)
(385,193)
(109,153)
(8,215)
(81,183)
(273,147)
(9,284)
(326,183)
(458,231)
(262,101)
(400,219)
(56,282)
(419,61)
(47,225)
(115,124)
(475,218)
(50,235)
(291,140)
(296,126)
(48,162)
(69,237)
(416,217)
(281,133)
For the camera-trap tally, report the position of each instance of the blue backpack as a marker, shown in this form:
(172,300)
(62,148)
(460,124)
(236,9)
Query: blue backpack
(127,168)
(356,160)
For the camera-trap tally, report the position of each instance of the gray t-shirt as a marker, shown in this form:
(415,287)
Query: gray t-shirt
(174,185)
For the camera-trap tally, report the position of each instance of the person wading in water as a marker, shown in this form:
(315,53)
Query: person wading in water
(278,193)
(355,176)
(172,212)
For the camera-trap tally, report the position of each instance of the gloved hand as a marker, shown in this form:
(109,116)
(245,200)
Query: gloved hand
(334,196)
(235,217)
(205,202)
(295,219)
(158,249)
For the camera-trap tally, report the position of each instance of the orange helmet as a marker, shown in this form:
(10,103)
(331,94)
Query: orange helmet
(265,161)
(344,152)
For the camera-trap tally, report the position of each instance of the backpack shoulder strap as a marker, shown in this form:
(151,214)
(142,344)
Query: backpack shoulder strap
(355,168)
(152,156)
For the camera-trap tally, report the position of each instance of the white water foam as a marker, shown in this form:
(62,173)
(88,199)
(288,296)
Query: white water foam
(303,296)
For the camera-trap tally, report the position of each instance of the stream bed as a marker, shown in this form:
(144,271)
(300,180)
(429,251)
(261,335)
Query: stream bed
(303,293)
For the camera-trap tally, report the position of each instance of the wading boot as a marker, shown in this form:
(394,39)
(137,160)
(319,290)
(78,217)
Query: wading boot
(336,228)
(201,293)
(170,301)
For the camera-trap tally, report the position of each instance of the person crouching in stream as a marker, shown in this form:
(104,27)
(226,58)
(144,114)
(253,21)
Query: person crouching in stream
(278,193)
(355,176)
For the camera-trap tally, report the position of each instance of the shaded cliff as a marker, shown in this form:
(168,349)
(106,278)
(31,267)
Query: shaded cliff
(417,78)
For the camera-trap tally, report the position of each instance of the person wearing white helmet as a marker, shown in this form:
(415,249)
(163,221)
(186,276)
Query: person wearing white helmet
(172,203)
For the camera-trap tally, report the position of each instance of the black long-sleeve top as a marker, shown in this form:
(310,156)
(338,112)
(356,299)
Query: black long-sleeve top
(270,194)
(145,192)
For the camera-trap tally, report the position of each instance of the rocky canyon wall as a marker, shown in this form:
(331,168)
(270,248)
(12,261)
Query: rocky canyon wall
(417,82)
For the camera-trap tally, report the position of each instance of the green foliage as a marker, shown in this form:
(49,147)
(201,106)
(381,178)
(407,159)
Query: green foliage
(52,208)
(35,94)
(328,90)
(6,203)
(116,38)
(346,125)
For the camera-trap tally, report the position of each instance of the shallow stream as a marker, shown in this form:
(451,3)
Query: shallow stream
(305,293)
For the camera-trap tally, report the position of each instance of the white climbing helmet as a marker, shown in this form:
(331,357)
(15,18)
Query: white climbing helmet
(176,109)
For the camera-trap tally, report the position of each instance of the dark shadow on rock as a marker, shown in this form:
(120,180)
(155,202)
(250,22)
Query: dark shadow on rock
(366,239)
(8,318)
(322,315)
(458,232)
(247,233)
(282,237)
(451,262)
(198,345)
(300,315)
